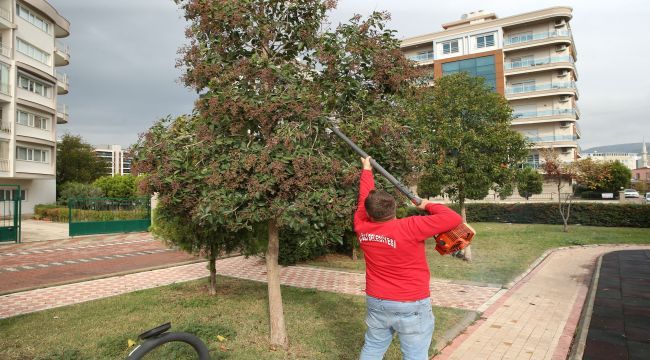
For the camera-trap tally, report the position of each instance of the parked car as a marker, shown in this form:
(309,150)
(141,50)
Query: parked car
(647,197)
(631,193)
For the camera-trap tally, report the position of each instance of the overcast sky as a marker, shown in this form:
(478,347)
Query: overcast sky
(123,53)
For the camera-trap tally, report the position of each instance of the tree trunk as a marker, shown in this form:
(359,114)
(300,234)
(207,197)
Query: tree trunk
(355,253)
(467,252)
(212,264)
(276,313)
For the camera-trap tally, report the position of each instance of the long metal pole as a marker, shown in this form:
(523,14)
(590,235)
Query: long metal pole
(403,189)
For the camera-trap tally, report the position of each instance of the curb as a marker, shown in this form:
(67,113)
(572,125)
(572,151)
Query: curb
(445,339)
(580,337)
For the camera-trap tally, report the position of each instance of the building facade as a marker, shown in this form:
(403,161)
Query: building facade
(30,85)
(630,160)
(529,58)
(118,162)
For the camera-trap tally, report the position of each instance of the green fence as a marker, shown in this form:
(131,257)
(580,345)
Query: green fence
(10,202)
(90,216)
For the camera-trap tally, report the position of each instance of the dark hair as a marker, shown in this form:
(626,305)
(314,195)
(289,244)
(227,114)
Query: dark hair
(380,205)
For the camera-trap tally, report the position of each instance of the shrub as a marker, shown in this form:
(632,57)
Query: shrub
(592,214)
(72,190)
(58,213)
(119,186)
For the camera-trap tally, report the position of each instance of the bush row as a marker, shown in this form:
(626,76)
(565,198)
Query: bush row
(62,214)
(592,214)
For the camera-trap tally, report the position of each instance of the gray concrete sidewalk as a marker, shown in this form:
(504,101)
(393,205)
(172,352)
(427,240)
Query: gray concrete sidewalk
(38,230)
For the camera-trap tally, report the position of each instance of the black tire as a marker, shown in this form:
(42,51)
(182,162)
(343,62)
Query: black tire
(151,343)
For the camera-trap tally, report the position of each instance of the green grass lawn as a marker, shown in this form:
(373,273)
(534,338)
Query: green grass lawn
(321,325)
(503,251)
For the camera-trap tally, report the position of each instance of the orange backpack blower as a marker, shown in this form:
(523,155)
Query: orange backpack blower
(446,243)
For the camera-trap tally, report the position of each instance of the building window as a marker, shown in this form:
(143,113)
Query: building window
(483,41)
(450,47)
(33,52)
(34,86)
(483,66)
(30,154)
(32,18)
(523,86)
(28,119)
(8,195)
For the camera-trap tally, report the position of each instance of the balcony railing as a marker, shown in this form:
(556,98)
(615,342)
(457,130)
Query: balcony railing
(524,88)
(422,57)
(519,39)
(4,88)
(64,48)
(537,62)
(5,127)
(533,114)
(552,138)
(4,165)
(62,77)
(5,51)
(5,14)
(62,109)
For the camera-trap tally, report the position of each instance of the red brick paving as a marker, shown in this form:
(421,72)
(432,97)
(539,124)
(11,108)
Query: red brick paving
(38,264)
(444,293)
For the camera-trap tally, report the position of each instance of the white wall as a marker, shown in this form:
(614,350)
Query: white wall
(37,192)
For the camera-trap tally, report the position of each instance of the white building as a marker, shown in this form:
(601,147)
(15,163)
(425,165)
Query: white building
(529,58)
(117,161)
(29,88)
(628,159)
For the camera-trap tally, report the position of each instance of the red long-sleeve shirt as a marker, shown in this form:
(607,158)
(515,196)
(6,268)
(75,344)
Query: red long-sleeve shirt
(396,265)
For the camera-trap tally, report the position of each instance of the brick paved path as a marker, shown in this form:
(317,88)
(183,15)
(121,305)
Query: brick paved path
(444,293)
(537,318)
(37,264)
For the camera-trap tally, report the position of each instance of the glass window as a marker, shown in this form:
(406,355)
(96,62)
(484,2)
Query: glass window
(21,153)
(33,52)
(450,47)
(33,19)
(483,41)
(481,66)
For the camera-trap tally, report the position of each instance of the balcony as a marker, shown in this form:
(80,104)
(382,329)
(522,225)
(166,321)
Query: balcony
(537,39)
(553,141)
(530,90)
(5,127)
(5,89)
(4,165)
(62,83)
(5,19)
(539,64)
(62,114)
(5,51)
(531,117)
(61,54)
(427,56)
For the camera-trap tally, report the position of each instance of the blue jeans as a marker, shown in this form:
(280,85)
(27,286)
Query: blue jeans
(412,321)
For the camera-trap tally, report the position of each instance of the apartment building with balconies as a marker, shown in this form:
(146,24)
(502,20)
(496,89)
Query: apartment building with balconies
(529,58)
(30,86)
(118,161)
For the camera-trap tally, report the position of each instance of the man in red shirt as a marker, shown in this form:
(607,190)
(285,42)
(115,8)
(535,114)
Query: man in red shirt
(397,273)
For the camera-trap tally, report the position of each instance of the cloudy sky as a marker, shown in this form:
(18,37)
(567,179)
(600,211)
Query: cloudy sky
(123,53)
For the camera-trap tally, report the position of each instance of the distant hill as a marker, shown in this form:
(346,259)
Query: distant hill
(619,148)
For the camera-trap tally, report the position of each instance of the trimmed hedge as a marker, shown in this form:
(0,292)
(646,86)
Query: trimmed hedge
(592,214)
(61,214)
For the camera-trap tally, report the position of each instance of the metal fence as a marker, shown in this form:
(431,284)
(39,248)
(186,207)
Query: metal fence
(10,205)
(89,216)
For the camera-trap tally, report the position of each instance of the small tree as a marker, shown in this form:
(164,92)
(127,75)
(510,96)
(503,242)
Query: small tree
(529,182)
(118,186)
(472,147)
(620,176)
(561,174)
(76,161)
